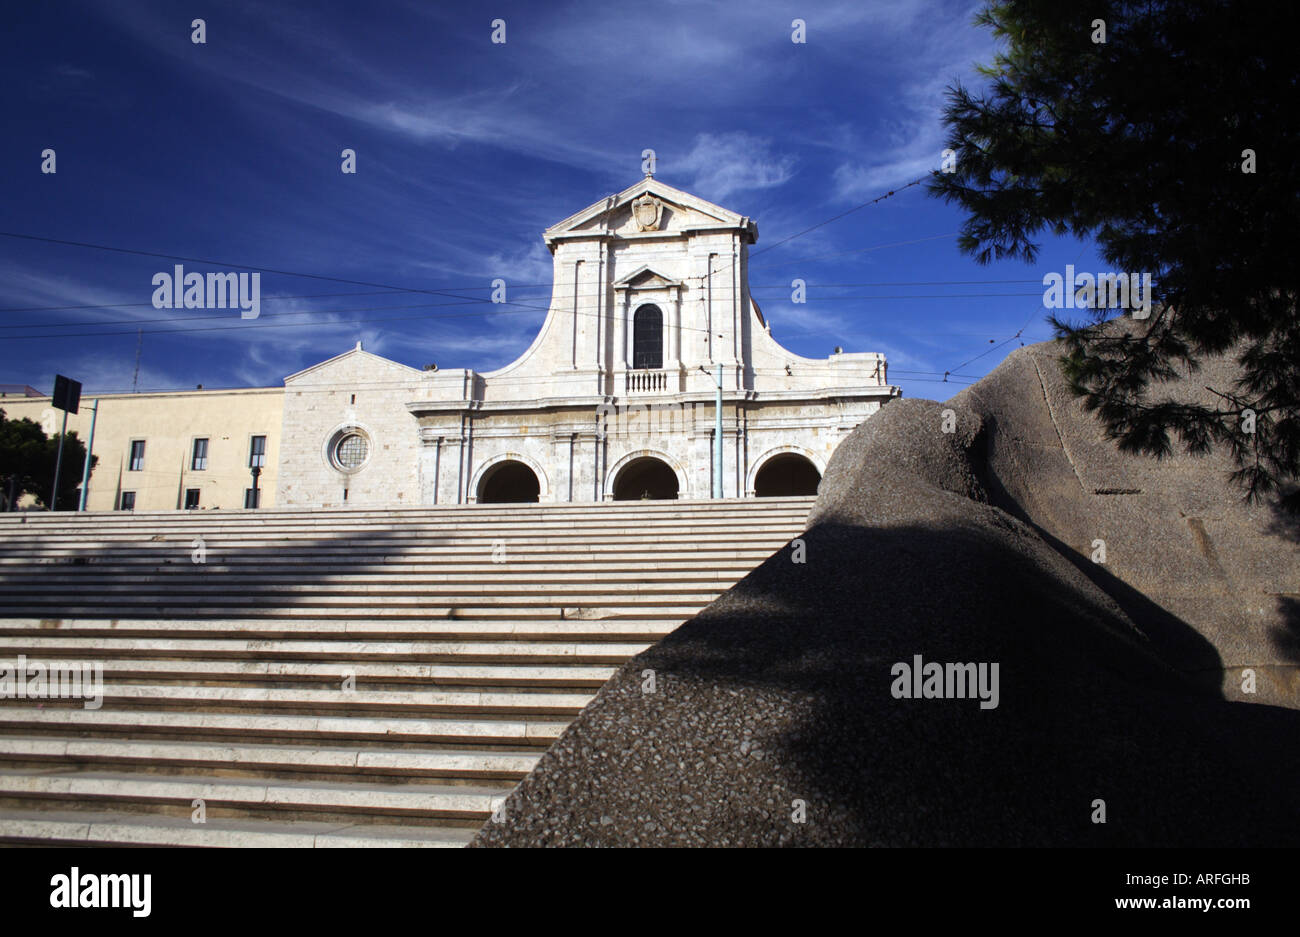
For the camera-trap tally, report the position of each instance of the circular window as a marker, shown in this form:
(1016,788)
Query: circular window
(350,450)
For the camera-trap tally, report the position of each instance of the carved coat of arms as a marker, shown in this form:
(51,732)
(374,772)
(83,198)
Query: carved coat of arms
(646,211)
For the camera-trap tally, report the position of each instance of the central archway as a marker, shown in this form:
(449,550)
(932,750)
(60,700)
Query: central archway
(786,475)
(509,482)
(646,478)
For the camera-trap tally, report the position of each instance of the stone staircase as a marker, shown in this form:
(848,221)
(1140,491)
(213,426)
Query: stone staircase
(332,678)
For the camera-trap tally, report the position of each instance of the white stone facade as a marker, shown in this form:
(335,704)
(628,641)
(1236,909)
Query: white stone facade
(607,382)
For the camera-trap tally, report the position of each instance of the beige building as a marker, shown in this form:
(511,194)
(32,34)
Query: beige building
(163,451)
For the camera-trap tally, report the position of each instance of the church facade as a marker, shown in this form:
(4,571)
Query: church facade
(616,397)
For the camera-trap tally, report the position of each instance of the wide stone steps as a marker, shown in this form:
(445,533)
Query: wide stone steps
(260,726)
(677,612)
(221,698)
(261,759)
(556,629)
(340,678)
(683,577)
(290,649)
(229,797)
(429,514)
(288,672)
(412,561)
(90,828)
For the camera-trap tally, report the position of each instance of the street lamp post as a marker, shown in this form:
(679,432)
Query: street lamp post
(85,469)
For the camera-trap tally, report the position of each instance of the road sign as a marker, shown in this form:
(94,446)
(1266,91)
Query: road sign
(67,393)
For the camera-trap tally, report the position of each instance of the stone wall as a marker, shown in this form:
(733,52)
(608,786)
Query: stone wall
(354,391)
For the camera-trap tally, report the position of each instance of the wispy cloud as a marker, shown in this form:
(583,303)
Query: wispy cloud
(720,164)
(906,140)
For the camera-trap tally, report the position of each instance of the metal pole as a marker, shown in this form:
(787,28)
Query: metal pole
(58,462)
(717,438)
(90,447)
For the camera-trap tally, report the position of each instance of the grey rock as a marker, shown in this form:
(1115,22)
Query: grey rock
(969,546)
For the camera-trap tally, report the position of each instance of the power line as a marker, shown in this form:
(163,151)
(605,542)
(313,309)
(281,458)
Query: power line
(331,312)
(822,224)
(473,300)
(227,317)
(827,286)
(512,287)
(224,263)
(907,374)
(384,292)
(1019,331)
(382,286)
(860,250)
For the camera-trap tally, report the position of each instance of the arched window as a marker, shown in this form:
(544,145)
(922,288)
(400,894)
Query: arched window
(648,338)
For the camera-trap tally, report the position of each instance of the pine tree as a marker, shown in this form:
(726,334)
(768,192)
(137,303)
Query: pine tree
(1167,132)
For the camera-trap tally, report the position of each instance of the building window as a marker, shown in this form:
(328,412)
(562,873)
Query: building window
(199,460)
(127,501)
(137,455)
(349,449)
(648,338)
(191,498)
(257,452)
(252,498)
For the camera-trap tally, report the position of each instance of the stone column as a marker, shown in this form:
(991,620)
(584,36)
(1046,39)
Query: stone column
(674,362)
(618,366)
(430,466)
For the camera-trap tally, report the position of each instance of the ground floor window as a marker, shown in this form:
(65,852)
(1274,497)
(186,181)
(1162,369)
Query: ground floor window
(191,498)
(127,501)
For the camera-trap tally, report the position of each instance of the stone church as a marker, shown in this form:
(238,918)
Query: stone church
(614,399)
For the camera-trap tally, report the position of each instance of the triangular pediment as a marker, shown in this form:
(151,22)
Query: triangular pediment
(647,278)
(666,208)
(351,362)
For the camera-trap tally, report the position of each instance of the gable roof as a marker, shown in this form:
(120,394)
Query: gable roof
(359,352)
(723,217)
(646,274)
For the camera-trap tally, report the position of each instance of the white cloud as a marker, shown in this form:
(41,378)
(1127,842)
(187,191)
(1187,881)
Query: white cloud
(723,163)
(908,141)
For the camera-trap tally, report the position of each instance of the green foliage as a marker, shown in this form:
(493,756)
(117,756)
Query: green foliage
(1138,142)
(27,458)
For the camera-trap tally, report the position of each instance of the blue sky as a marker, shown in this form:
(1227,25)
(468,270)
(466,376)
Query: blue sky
(466,150)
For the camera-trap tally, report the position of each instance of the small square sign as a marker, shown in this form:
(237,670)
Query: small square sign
(67,393)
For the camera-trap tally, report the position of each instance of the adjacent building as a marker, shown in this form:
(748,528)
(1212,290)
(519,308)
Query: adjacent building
(180,449)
